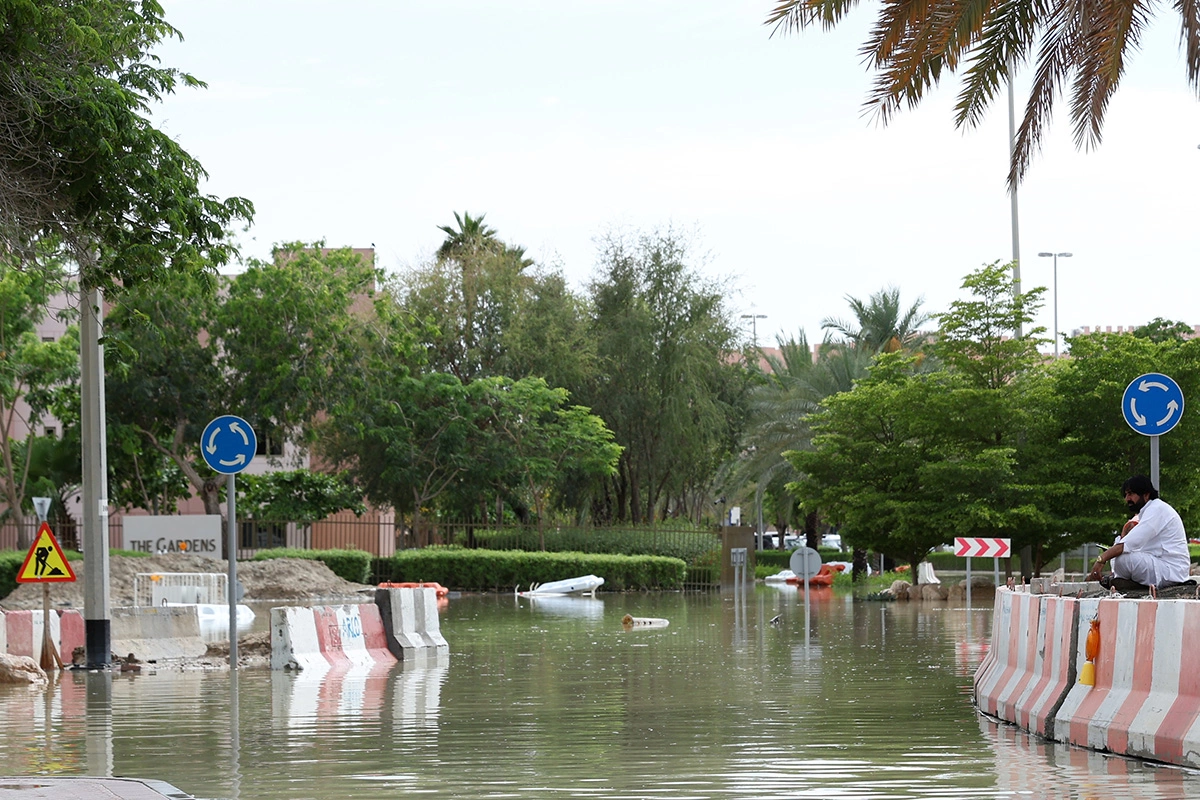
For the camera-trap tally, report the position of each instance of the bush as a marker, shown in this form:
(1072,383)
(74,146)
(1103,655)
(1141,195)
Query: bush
(10,563)
(350,565)
(685,545)
(482,570)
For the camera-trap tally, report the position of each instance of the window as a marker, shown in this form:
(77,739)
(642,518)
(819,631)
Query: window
(51,432)
(269,445)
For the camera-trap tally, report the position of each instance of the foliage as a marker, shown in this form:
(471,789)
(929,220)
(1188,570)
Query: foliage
(1081,46)
(492,312)
(906,460)
(499,570)
(542,440)
(1160,330)
(350,565)
(10,564)
(80,161)
(1088,392)
(276,346)
(301,496)
(666,386)
(977,336)
(881,324)
(33,374)
(688,546)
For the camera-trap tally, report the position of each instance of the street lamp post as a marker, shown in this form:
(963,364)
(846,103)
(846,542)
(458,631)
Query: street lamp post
(1055,256)
(754,318)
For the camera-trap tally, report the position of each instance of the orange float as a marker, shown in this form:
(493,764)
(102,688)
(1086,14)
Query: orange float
(824,576)
(439,590)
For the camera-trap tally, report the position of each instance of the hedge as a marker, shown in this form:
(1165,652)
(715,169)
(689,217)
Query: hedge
(782,559)
(350,565)
(502,570)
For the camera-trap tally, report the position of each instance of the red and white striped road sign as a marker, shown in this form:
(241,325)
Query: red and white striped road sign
(979,547)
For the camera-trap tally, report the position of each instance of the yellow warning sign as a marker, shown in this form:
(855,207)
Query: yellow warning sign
(45,562)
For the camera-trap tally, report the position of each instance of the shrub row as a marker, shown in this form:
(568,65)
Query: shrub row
(686,545)
(350,565)
(502,570)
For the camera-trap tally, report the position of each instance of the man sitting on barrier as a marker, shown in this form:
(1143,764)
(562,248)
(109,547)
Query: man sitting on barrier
(1154,552)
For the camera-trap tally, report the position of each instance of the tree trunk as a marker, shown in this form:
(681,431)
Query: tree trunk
(858,569)
(810,530)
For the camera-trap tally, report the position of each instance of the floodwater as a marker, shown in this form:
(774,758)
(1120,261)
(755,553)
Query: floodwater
(553,698)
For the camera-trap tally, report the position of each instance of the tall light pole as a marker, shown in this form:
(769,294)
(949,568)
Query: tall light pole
(754,318)
(1055,256)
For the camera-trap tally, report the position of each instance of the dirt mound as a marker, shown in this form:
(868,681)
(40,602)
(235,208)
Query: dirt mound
(273,579)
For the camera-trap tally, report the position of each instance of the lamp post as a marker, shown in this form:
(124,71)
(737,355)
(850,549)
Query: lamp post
(1055,256)
(754,318)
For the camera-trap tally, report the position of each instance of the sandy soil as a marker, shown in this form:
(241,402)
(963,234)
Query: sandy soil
(289,580)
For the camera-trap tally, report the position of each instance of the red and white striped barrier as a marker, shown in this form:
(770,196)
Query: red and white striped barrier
(1146,699)
(328,636)
(23,633)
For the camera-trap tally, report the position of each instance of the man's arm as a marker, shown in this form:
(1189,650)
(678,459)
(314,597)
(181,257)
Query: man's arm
(1103,558)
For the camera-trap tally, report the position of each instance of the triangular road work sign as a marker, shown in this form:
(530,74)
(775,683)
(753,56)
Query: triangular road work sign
(45,562)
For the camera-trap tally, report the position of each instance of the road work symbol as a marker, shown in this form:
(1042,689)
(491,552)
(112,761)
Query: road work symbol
(227,444)
(45,562)
(1152,404)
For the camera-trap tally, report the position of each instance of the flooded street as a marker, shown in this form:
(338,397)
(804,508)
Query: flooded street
(553,698)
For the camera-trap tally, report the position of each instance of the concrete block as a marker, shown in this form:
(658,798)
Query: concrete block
(157,633)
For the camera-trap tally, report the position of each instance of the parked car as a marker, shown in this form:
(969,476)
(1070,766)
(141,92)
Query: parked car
(832,540)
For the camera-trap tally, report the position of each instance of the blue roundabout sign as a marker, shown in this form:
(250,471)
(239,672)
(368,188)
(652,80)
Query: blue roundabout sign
(1152,404)
(228,444)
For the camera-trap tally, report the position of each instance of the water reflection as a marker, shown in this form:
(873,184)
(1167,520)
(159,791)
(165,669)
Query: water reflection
(559,700)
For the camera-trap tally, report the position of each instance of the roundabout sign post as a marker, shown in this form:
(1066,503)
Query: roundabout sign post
(1152,405)
(228,445)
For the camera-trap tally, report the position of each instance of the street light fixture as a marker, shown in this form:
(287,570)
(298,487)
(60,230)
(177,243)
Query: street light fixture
(1055,256)
(754,318)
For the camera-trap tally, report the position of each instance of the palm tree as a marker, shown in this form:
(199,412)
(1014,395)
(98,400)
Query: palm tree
(779,409)
(880,325)
(1081,45)
(471,236)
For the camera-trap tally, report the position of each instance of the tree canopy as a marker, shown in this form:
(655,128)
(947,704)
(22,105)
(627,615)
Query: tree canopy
(80,161)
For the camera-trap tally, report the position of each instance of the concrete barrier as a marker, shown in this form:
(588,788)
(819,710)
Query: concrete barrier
(325,636)
(23,632)
(158,633)
(410,618)
(1145,701)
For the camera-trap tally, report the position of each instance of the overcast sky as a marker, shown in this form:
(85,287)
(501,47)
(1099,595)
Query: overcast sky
(372,122)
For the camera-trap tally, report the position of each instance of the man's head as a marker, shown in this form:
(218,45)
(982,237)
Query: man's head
(1138,491)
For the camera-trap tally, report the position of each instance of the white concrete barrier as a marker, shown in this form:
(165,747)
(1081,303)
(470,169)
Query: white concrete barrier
(1145,701)
(160,633)
(410,618)
(324,636)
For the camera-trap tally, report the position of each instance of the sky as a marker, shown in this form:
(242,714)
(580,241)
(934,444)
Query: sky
(370,123)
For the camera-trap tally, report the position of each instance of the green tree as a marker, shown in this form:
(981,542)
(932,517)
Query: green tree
(666,385)
(33,373)
(1160,330)
(882,324)
(80,161)
(546,439)
(978,335)
(275,347)
(496,312)
(1088,392)
(1083,47)
(905,462)
(299,495)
